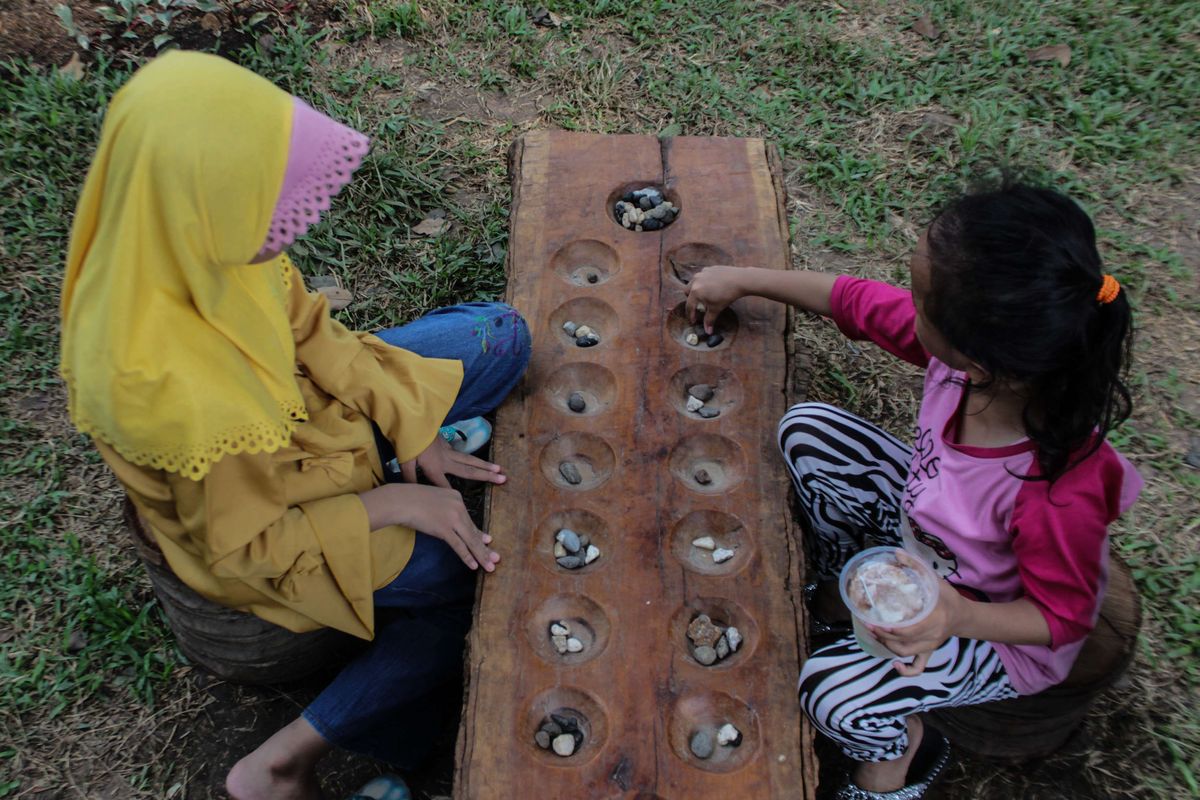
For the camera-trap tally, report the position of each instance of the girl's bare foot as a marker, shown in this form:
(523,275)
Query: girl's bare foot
(888,776)
(282,768)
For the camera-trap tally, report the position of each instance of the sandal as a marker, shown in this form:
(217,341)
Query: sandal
(385,787)
(933,754)
(468,435)
(818,627)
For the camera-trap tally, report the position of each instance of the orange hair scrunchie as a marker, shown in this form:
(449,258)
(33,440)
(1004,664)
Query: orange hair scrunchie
(1109,289)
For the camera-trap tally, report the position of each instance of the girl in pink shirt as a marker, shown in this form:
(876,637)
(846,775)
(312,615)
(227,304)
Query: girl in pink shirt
(1008,485)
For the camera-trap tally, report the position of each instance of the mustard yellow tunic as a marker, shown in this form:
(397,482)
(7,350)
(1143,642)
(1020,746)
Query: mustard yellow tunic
(284,534)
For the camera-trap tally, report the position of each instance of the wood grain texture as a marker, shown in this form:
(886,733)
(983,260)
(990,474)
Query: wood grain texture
(638,687)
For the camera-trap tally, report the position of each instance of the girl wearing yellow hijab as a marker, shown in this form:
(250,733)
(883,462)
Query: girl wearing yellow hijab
(253,432)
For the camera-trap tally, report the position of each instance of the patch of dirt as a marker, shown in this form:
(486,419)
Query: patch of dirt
(30,29)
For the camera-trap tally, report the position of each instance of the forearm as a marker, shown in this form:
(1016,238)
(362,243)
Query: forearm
(1018,622)
(804,289)
(382,508)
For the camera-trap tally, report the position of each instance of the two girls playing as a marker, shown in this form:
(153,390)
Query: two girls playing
(1008,486)
(253,433)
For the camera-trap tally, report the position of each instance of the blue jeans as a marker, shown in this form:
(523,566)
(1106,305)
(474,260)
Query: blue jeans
(388,702)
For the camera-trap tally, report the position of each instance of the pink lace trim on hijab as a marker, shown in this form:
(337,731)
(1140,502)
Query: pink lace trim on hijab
(322,155)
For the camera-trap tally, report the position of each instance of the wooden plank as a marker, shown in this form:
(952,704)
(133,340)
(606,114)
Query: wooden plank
(636,685)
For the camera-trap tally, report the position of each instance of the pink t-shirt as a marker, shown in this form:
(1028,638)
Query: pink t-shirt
(978,523)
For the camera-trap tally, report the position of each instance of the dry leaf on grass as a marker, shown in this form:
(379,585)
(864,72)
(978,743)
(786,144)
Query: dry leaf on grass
(73,68)
(432,226)
(210,23)
(338,297)
(924,26)
(1051,52)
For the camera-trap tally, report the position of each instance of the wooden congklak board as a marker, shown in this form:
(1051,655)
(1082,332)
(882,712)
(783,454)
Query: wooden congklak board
(636,688)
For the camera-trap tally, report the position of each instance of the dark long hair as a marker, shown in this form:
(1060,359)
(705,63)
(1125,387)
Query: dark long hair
(1014,278)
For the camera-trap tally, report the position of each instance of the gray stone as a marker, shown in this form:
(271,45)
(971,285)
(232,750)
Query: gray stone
(651,224)
(584,540)
(591,554)
(576,403)
(570,472)
(721,555)
(714,339)
(701,744)
(560,643)
(701,391)
(551,727)
(705,543)
(569,540)
(705,655)
(722,647)
(566,723)
(645,203)
(702,477)
(694,404)
(734,637)
(570,327)
(591,340)
(628,197)
(560,629)
(708,412)
(564,744)
(570,562)
(574,645)
(543,740)
(692,339)
(578,734)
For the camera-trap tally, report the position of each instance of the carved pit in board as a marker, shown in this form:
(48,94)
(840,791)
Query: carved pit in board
(679,326)
(592,456)
(719,456)
(632,186)
(580,521)
(596,314)
(726,530)
(595,383)
(586,619)
(727,389)
(580,261)
(567,701)
(724,613)
(686,260)
(708,711)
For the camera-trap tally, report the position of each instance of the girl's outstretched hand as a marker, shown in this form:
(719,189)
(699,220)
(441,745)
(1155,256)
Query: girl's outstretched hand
(435,511)
(710,291)
(923,638)
(440,459)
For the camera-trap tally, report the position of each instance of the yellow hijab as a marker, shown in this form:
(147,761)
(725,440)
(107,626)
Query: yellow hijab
(175,350)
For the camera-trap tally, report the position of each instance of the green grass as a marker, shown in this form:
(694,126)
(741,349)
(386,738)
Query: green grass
(842,88)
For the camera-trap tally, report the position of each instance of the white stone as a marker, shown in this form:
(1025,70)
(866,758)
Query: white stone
(705,543)
(592,554)
(734,637)
(558,629)
(727,734)
(559,550)
(574,645)
(721,554)
(582,331)
(560,643)
(692,339)
(693,404)
(564,744)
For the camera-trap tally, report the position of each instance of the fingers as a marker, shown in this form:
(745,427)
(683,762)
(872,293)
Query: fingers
(915,668)
(408,471)
(476,469)
(710,318)
(690,306)
(473,540)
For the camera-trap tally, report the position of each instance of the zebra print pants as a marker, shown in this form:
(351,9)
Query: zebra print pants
(849,477)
